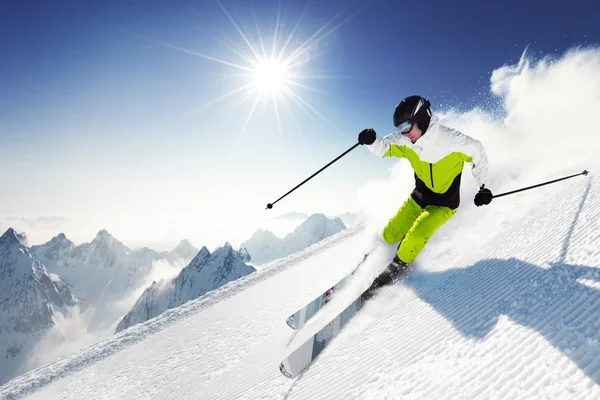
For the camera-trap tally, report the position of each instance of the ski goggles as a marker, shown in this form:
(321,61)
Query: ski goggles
(405,127)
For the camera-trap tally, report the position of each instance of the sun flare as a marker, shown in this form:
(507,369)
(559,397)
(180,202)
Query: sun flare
(275,68)
(270,75)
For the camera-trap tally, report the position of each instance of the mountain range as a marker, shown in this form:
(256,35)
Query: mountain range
(206,272)
(104,278)
(29,298)
(104,268)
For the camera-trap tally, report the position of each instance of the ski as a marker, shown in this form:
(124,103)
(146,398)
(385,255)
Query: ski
(301,358)
(300,317)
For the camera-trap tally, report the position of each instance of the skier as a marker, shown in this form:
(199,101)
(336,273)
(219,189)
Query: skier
(437,155)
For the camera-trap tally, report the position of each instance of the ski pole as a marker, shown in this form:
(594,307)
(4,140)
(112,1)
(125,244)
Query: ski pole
(270,205)
(541,184)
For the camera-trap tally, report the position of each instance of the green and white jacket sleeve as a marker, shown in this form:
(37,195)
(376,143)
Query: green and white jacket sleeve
(382,145)
(444,147)
(474,152)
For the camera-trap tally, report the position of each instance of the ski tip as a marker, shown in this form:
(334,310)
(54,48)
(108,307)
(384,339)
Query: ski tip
(284,371)
(290,323)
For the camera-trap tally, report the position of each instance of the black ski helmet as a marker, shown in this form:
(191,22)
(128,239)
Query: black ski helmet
(416,108)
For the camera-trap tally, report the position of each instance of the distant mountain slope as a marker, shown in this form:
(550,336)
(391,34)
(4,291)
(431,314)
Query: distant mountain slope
(29,298)
(206,272)
(265,247)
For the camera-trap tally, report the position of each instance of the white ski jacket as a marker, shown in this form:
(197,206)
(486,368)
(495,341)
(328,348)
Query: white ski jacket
(437,158)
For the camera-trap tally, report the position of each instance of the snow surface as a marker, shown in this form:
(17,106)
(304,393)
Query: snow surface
(506,307)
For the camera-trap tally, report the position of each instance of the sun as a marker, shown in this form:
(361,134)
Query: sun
(270,76)
(275,68)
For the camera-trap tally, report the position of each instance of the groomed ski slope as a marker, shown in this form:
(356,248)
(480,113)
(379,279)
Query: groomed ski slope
(496,307)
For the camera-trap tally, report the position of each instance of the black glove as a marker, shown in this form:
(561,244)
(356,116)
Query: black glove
(483,197)
(367,136)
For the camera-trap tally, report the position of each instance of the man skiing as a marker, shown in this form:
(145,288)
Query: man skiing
(437,155)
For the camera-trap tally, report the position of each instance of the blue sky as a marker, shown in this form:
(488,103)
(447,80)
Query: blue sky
(108,116)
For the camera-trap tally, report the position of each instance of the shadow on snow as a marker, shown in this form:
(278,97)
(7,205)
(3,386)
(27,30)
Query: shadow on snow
(554,300)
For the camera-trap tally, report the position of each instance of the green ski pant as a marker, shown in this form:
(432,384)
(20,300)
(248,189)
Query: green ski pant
(416,225)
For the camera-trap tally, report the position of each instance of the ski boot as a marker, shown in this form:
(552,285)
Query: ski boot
(392,272)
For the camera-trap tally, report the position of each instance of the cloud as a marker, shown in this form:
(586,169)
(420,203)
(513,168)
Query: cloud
(548,121)
(38,223)
(162,271)
(552,107)
(69,334)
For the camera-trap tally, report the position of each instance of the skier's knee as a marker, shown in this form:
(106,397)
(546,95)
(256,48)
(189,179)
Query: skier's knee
(387,236)
(410,247)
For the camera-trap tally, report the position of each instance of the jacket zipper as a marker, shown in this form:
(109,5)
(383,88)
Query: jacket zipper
(431,174)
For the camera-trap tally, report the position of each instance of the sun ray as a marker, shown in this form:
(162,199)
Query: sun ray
(323,36)
(298,84)
(293,64)
(250,46)
(295,122)
(315,38)
(279,127)
(237,52)
(260,39)
(247,96)
(241,135)
(275,35)
(290,37)
(223,97)
(195,53)
(308,113)
(321,76)
(258,98)
(303,103)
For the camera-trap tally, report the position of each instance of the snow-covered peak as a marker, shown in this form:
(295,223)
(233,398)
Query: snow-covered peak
(184,250)
(104,250)
(316,218)
(29,297)
(225,252)
(317,224)
(228,254)
(262,235)
(201,258)
(10,238)
(58,240)
(205,273)
(61,237)
(103,236)
(14,256)
(105,240)
(57,248)
(183,246)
